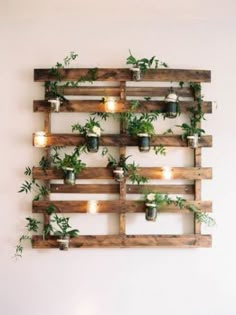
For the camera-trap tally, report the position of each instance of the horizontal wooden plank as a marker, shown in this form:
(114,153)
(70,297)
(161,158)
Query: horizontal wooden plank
(85,106)
(189,173)
(114,189)
(112,206)
(119,140)
(163,189)
(125,74)
(85,189)
(116,241)
(137,91)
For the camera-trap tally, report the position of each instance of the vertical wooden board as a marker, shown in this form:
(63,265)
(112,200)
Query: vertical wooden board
(122,151)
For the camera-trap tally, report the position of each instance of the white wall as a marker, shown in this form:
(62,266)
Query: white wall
(199,34)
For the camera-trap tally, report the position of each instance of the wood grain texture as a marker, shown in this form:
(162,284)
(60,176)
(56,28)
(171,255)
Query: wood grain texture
(116,241)
(113,206)
(85,106)
(189,173)
(124,74)
(114,189)
(119,140)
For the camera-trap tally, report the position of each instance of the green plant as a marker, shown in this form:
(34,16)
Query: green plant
(33,225)
(70,161)
(91,126)
(130,169)
(141,124)
(197,113)
(33,186)
(55,88)
(144,63)
(161,199)
(63,228)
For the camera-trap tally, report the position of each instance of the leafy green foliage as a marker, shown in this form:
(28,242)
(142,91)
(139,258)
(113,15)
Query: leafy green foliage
(141,124)
(54,88)
(130,169)
(168,131)
(144,63)
(160,149)
(71,161)
(63,227)
(91,126)
(33,186)
(201,217)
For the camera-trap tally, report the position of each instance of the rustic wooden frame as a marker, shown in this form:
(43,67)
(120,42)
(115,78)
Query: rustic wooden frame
(121,206)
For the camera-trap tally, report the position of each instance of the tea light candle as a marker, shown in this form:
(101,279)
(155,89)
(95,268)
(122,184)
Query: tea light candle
(40,139)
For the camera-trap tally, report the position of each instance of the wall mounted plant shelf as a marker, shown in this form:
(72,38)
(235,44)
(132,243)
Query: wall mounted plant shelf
(122,205)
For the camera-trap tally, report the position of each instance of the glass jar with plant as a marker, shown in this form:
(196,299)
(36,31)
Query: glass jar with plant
(63,231)
(140,66)
(121,170)
(171,104)
(142,127)
(71,166)
(153,202)
(91,131)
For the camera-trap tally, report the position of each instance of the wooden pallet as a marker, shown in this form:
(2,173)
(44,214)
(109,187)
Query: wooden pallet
(121,205)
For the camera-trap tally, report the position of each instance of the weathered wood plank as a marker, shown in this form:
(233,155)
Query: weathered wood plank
(124,74)
(109,241)
(85,189)
(163,189)
(99,91)
(189,173)
(114,189)
(85,106)
(119,140)
(113,206)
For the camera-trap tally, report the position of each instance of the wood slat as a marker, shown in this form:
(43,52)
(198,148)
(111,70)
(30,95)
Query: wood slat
(85,189)
(104,91)
(116,241)
(163,189)
(114,189)
(113,206)
(124,74)
(189,173)
(85,106)
(119,140)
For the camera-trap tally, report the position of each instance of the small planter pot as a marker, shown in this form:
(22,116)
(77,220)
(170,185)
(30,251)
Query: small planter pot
(151,211)
(55,105)
(137,76)
(69,176)
(92,142)
(171,110)
(64,243)
(119,174)
(143,142)
(193,141)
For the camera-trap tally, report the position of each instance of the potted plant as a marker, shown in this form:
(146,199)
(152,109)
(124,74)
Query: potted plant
(192,134)
(171,105)
(63,231)
(91,131)
(153,201)
(142,127)
(140,66)
(121,169)
(71,166)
